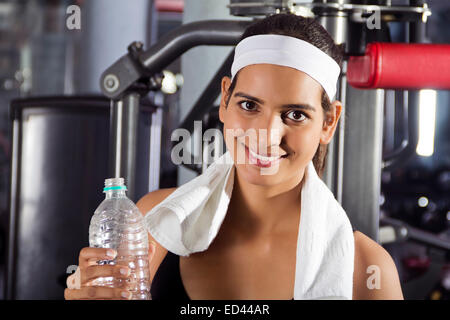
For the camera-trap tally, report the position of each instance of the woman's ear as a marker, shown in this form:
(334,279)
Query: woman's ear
(225,85)
(330,122)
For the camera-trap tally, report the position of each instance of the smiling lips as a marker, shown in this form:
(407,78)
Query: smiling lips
(262,161)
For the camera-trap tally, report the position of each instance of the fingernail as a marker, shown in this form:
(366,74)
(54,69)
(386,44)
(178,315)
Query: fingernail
(124,271)
(111,253)
(126,294)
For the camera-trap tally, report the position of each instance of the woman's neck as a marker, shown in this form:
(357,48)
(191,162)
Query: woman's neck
(265,209)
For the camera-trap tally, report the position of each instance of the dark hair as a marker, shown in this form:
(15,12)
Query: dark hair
(307,29)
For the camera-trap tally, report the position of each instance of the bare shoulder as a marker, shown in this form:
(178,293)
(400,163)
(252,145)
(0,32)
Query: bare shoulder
(145,204)
(375,274)
(151,199)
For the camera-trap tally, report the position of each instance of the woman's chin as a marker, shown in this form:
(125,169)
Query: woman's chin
(257,175)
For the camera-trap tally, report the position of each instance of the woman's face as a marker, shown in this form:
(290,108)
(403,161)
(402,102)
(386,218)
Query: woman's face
(274,112)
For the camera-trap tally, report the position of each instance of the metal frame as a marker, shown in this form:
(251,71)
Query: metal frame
(13,200)
(391,161)
(16,155)
(139,72)
(360,12)
(356,152)
(205,102)
(16,113)
(403,232)
(155,144)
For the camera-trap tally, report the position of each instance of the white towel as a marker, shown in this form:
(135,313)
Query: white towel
(189,219)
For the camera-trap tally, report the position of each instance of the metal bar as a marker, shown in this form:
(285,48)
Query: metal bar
(205,102)
(408,149)
(328,174)
(175,43)
(209,95)
(123,138)
(155,147)
(337,27)
(14,187)
(139,64)
(341,137)
(405,232)
(417,32)
(419,11)
(362,159)
(125,72)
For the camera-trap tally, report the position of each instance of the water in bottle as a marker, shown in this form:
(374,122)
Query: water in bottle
(118,224)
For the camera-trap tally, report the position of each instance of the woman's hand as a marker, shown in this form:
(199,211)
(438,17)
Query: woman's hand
(81,285)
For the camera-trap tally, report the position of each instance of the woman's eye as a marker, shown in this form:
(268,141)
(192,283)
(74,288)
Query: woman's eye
(296,115)
(247,105)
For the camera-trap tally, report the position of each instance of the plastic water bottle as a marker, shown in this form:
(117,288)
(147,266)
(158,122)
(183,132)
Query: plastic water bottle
(118,224)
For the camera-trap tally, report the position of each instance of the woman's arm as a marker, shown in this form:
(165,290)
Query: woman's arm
(145,204)
(375,275)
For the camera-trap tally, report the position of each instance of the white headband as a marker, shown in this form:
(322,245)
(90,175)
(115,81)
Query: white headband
(290,52)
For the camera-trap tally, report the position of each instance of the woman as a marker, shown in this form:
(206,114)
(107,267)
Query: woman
(253,255)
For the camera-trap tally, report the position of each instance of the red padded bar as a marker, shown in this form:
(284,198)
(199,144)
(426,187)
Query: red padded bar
(169,5)
(388,65)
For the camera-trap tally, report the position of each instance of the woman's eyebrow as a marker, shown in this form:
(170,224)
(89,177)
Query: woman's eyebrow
(303,106)
(247,96)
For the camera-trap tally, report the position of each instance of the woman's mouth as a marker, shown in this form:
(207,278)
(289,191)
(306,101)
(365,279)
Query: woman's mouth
(262,161)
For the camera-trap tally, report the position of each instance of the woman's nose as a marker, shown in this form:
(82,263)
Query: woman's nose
(270,133)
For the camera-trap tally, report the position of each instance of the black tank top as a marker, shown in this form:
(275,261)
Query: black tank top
(167,283)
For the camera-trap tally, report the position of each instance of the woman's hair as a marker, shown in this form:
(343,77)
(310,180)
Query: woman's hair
(309,30)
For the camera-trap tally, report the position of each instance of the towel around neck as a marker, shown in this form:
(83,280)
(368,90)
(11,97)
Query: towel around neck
(188,220)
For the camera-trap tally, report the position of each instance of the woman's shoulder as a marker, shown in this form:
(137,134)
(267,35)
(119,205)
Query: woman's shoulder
(375,274)
(151,199)
(145,204)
